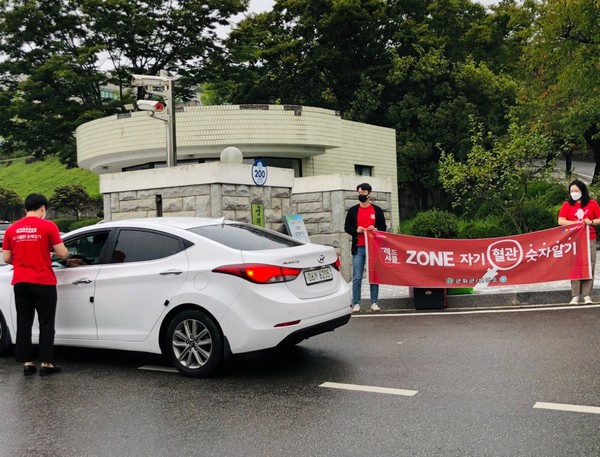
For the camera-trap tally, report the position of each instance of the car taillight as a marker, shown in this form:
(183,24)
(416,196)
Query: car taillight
(260,273)
(337,264)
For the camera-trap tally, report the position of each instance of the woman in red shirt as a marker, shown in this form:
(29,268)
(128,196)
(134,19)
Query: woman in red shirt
(577,209)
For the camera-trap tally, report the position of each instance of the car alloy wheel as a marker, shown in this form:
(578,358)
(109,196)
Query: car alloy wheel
(195,345)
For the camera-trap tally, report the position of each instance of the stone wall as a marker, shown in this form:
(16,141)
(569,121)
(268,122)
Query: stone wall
(204,190)
(227,190)
(207,200)
(324,214)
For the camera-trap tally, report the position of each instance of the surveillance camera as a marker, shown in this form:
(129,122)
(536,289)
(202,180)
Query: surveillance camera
(151,81)
(151,105)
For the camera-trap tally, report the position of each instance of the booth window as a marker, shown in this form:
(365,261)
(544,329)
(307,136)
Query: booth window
(363,170)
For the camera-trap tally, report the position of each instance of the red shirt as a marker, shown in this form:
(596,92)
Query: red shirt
(577,213)
(30,241)
(365,218)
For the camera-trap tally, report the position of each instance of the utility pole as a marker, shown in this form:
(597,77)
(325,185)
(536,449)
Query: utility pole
(163,86)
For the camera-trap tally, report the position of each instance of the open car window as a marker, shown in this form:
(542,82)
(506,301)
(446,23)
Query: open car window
(87,248)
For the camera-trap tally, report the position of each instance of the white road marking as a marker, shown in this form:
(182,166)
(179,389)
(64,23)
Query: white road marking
(570,408)
(479,311)
(158,368)
(380,390)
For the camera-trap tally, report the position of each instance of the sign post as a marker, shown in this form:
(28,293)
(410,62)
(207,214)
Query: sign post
(258,214)
(296,228)
(259,173)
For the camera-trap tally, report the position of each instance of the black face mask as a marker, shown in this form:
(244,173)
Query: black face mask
(363,198)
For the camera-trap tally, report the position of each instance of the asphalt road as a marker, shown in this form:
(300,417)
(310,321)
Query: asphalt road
(584,169)
(467,385)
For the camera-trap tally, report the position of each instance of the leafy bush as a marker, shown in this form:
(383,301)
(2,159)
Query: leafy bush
(405,226)
(490,227)
(66,225)
(435,224)
(63,223)
(538,216)
(84,223)
(483,211)
(548,193)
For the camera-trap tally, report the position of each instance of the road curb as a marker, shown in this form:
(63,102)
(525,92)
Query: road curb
(484,301)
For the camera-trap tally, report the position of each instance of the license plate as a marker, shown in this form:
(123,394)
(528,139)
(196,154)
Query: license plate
(316,276)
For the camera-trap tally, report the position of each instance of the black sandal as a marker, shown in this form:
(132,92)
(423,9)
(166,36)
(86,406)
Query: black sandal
(28,370)
(45,371)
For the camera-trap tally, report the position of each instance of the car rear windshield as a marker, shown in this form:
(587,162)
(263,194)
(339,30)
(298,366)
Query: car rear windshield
(245,237)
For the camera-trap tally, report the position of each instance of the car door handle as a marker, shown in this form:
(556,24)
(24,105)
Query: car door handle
(171,272)
(82,281)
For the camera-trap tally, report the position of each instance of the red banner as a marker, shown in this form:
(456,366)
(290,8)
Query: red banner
(548,255)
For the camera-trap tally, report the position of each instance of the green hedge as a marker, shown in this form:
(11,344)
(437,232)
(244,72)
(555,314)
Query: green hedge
(66,225)
(490,227)
(540,211)
(84,223)
(63,224)
(435,224)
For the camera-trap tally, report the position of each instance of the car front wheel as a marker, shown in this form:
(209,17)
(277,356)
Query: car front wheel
(194,344)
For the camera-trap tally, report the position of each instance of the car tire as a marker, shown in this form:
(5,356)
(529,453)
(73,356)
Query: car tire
(5,344)
(194,344)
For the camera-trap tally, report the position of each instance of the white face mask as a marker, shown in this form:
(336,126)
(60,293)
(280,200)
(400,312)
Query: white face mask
(575,195)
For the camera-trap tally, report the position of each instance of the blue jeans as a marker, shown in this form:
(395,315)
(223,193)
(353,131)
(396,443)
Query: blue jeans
(358,265)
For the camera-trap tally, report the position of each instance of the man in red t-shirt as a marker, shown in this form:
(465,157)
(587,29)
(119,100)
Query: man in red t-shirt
(27,245)
(361,218)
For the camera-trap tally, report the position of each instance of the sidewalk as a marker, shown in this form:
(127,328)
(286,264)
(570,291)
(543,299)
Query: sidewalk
(396,298)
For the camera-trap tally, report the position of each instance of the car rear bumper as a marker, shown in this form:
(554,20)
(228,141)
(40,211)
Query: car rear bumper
(323,327)
(261,322)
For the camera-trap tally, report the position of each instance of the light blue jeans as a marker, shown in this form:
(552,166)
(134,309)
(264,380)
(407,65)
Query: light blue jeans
(358,266)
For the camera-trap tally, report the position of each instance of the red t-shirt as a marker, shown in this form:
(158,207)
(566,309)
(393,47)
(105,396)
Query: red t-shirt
(30,241)
(577,213)
(365,218)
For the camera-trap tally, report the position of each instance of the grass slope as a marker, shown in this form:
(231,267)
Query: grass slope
(44,176)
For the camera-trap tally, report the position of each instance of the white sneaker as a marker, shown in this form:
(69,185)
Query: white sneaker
(574,301)
(356,308)
(375,307)
(587,300)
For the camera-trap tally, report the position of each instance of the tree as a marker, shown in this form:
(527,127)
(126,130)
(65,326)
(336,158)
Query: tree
(11,205)
(447,69)
(500,174)
(441,98)
(311,52)
(420,67)
(72,200)
(562,74)
(55,56)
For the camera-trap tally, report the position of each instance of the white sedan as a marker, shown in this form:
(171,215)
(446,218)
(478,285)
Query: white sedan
(194,289)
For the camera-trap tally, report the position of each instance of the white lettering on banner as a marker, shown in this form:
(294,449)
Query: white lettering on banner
(557,251)
(390,255)
(548,255)
(509,254)
(430,258)
(472,259)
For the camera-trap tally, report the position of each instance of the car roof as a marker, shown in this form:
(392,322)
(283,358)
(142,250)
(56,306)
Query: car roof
(184,223)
